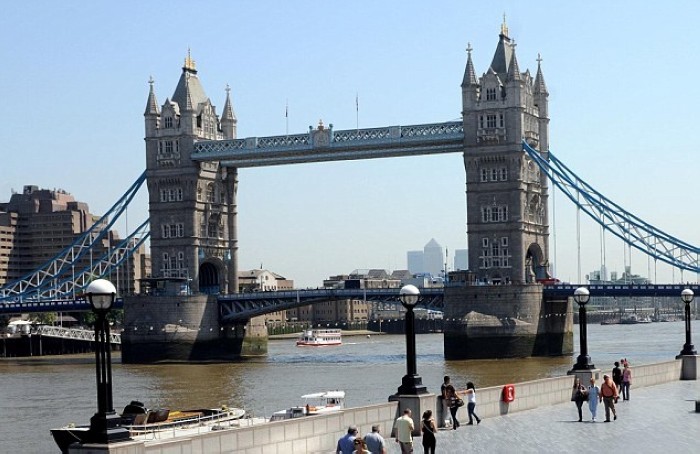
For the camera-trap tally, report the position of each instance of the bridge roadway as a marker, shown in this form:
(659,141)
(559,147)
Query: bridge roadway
(62,305)
(243,306)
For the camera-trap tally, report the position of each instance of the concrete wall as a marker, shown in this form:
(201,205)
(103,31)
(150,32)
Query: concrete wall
(319,434)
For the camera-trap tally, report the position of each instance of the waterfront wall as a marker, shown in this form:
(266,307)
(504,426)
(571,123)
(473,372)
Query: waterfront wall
(319,434)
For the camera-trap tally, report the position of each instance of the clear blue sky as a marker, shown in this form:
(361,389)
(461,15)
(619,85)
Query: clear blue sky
(623,108)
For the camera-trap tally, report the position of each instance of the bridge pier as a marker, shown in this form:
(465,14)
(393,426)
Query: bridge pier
(186,328)
(505,321)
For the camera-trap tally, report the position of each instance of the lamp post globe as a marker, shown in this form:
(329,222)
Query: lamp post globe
(105,424)
(409,295)
(582,295)
(687,297)
(412,383)
(101,294)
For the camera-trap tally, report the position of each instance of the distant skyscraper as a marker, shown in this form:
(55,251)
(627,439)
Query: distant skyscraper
(433,258)
(414,261)
(461,259)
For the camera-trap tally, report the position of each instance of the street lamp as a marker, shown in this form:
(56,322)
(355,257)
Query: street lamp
(411,383)
(687,296)
(104,425)
(583,362)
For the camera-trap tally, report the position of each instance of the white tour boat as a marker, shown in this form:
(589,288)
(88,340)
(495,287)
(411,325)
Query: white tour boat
(316,404)
(319,338)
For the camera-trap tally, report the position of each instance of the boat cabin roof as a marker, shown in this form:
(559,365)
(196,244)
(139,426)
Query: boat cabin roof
(325,395)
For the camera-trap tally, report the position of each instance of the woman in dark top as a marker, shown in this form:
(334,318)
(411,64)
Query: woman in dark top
(452,396)
(429,430)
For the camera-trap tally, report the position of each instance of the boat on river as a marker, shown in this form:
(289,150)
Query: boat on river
(320,338)
(156,424)
(634,319)
(316,404)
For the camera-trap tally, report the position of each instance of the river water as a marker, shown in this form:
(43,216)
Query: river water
(37,394)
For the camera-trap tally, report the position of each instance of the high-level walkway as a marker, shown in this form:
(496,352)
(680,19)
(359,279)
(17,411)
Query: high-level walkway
(656,419)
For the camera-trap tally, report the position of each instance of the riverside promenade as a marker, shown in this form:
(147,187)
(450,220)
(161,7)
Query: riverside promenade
(658,418)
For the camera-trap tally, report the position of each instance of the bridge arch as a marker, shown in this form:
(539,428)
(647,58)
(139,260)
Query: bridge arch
(535,264)
(212,274)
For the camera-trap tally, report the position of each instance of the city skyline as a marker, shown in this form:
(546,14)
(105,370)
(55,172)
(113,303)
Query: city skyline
(76,95)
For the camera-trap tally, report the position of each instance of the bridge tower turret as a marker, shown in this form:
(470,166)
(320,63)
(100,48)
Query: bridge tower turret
(188,200)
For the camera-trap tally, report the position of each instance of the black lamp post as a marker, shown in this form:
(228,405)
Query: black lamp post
(583,362)
(411,383)
(104,425)
(687,296)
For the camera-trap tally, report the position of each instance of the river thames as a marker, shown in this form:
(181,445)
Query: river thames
(38,394)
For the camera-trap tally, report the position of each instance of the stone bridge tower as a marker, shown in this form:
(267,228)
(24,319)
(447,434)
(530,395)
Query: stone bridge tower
(500,311)
(189,202)
(194,247)
(507,216)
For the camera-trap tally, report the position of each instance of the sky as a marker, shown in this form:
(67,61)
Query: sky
(623,108)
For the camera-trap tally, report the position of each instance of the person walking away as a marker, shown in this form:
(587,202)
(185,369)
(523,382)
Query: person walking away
(593,393)
(608,394)
(453,400)
(626,381)
(375,442)
(404,432)
(445,401)
(429,431)
(360,446)
(345,443)
(617,377)
(471,404)
(579,395)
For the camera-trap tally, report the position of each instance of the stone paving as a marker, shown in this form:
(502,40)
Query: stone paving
(655,419)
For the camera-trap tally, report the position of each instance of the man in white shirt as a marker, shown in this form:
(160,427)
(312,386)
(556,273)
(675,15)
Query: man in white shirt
(404,432)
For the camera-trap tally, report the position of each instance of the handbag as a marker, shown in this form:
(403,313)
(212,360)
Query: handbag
(459,402)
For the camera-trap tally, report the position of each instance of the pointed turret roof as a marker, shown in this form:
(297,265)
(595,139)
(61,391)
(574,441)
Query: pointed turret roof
(513,68)
(469,73)
(503,54)
(152,103)
(540,86)
(189,93)
(228,113)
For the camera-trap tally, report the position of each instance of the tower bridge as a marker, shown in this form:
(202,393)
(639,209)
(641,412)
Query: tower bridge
(193,157)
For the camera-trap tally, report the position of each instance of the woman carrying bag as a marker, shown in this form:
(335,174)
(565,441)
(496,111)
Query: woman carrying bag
(579,395)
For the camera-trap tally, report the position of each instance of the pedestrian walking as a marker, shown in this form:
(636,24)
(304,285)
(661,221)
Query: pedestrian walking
(455,402)
(617,377)
(375,442)
(445,401)
(579,394)
(429,431)
(360,446)
(471,404)
(404,432)
(608,395)
(626,381)
(593,393)
(345,443)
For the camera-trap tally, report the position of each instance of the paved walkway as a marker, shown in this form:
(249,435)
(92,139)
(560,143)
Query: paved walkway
(655,419)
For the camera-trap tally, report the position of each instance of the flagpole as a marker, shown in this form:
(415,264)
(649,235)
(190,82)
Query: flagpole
(286,116)
(357,112)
